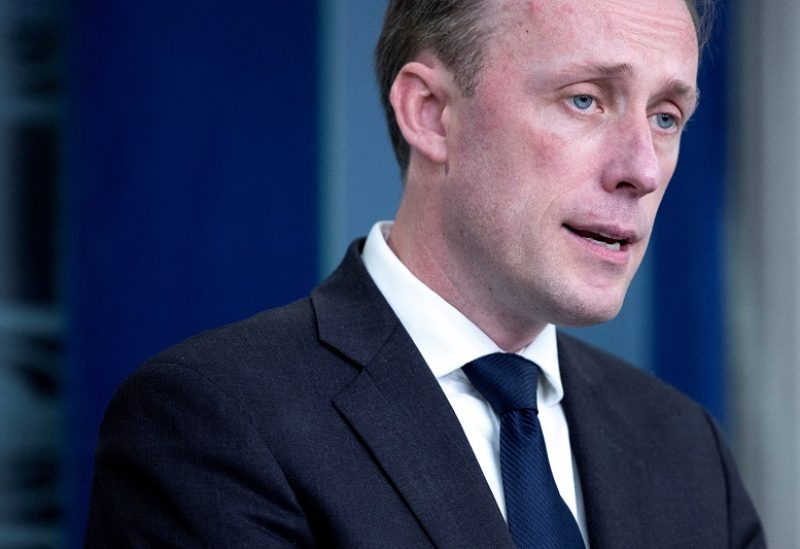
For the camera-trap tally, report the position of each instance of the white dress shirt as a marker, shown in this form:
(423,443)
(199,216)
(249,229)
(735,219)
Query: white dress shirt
(447,341)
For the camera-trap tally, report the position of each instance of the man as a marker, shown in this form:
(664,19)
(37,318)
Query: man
(536,139)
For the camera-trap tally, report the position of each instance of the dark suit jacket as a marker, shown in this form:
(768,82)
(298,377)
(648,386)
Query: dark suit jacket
(319,424)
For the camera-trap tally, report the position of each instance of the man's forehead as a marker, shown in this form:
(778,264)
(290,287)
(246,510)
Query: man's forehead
(635,17)
(613,33)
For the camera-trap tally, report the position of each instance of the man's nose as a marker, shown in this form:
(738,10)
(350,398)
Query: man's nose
(632,163)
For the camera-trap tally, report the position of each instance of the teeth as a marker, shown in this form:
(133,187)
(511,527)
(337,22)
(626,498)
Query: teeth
(613,246)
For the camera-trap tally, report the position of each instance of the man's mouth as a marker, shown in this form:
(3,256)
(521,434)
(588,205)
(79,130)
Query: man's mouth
(608,241)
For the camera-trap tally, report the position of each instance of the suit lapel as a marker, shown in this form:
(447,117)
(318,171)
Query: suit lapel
(611,472)
(401,414)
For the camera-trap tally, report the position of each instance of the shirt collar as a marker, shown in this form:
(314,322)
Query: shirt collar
(444,336)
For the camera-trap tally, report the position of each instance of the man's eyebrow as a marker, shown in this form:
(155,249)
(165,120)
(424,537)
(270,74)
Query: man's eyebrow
(689,94)
(602,71)
(672,87)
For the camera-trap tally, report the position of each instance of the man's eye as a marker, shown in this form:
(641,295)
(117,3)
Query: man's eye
(665,121)
(583,102)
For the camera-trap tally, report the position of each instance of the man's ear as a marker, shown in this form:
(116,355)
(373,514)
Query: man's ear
(419,96)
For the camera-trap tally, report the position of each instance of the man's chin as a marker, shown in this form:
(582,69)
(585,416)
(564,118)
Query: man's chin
(579,314)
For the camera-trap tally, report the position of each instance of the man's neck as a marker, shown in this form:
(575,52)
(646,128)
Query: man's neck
(434,267)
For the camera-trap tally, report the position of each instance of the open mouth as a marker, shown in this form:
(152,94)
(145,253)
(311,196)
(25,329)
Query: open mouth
(600,238)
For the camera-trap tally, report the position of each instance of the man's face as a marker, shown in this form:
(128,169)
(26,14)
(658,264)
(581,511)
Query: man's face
(558,163)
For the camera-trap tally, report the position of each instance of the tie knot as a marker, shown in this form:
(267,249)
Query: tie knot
(506,380)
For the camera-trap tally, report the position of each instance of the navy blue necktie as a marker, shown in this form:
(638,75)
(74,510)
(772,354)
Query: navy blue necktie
(537,516)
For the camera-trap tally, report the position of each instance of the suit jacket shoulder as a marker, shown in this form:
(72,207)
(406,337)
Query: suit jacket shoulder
(314,424)
(654,468)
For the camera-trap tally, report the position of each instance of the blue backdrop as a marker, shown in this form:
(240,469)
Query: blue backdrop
(688,247)
(190,192)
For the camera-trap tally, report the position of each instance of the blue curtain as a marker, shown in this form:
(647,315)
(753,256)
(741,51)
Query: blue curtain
(190,186)
(688,246)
